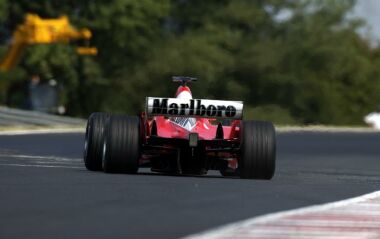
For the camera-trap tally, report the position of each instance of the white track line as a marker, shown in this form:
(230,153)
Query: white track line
(37,165)
(299,129)
(58,163)
(40,161)
(43,131)
(333,222)
(37,157)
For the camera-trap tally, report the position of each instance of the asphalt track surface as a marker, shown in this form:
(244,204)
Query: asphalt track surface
(45,191)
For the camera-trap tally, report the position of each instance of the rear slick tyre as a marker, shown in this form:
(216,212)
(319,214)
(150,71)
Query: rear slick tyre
(258,150)
(121,148)
(93,144)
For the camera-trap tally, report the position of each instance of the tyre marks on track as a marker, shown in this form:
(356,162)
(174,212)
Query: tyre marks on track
(21,160)
(357,218)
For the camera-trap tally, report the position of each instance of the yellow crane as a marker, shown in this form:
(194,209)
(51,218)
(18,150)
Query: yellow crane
(36,30)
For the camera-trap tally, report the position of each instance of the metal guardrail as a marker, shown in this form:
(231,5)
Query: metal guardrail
(16,117)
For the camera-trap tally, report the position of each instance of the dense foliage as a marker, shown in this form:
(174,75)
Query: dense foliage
(290,61)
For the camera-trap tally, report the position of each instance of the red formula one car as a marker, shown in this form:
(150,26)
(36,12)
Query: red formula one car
(182,135)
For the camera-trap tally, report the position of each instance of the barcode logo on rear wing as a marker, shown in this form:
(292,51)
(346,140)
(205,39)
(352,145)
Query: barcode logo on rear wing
(194,108)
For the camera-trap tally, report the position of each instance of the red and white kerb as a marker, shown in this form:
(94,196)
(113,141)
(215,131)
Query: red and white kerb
(356,218)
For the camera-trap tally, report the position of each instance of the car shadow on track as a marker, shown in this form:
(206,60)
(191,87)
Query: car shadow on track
(214,175)
(206,176)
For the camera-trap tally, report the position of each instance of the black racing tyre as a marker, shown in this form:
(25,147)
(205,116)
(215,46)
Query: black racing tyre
(121,148)
(258,150)
(93,145)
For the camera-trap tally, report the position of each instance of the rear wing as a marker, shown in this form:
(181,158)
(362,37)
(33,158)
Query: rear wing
(199,108)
